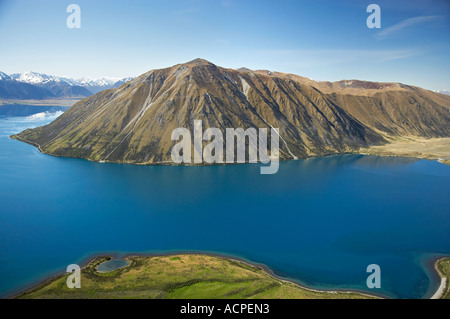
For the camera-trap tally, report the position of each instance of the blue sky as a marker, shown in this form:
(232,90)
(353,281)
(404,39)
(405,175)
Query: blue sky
(322,40)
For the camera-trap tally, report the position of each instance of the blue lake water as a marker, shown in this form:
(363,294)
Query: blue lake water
(319,221)
(9,110)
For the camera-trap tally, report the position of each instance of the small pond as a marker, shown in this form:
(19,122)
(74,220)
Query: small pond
(112,264)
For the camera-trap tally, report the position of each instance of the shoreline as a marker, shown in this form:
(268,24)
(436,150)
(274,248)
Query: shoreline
(264,267)
(443,284)
(417,147)
(111,255)
(89,258)
(438,294)
(431,149)
(168,163)
(364,152)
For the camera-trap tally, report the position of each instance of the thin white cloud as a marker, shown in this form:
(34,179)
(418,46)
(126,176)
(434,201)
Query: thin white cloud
(405,24)
(310,58)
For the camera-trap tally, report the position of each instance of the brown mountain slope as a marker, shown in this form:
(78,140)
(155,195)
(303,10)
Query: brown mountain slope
(134,122)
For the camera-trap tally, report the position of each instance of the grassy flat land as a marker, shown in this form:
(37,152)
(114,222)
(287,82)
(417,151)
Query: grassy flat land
(432,149)
(443,267)
(187,276)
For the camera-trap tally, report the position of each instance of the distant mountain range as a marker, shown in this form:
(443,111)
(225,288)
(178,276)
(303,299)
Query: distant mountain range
(32,85)
(134,123)
(443,92)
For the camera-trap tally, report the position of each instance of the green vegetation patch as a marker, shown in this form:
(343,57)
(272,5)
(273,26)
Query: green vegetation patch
(189,276)
(443,266)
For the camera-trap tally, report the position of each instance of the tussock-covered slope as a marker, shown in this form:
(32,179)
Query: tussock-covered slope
(134,122)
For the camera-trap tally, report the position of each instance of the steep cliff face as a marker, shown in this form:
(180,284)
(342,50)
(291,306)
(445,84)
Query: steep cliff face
(134,122)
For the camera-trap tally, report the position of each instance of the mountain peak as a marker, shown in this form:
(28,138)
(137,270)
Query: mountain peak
(4,76)
(34,77)
(244,69)
(198,61)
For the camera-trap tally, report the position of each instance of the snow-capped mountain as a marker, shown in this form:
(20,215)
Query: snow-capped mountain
(93,85)
(446,92)
(97,82)
(56,86)
(97,85)
(12,89)
(4,76)
(34,85)
(35,78)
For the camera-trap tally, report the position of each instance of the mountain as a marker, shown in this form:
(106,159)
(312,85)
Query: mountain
(58,86)
(65,90)
(90,85)
(34,78)
(97,85)
(122,81)
(4,76)
(134,122)
(446,92)
(12,89)
(55,86)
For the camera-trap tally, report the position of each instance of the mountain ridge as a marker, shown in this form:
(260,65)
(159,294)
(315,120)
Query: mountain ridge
(133,123)
(12,86)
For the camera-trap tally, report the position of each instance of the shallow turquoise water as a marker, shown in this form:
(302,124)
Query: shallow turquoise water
(320,221)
